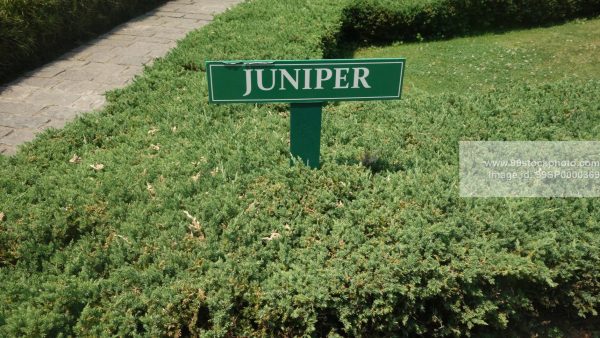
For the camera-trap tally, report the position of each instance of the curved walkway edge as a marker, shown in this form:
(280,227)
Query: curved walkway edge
(76,82)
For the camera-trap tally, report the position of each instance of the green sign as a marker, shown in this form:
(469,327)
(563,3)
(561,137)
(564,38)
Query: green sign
(304,80)
(307,84)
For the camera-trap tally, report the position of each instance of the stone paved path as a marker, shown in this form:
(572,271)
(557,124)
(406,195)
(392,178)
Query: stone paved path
(74,83)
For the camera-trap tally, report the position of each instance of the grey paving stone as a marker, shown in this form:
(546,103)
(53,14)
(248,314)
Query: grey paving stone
(39,82)
(143,48)
(5,131)
(5,149)
(144,17)
(93,71)
(77,55)
(19,136)
(166,22)
(130,60)
(16,92)
(112,72)
(15,121)
(100,56)
(19,108)
(134,31)
(170,14)
(206,17)
(114,42)
(193,8)
(46,72)
(52,95)
(216,8)
(83,87)
(173,33)
(23,121)
(206,7)
(116,81)
(55,123)
(78,74)
(148,21)
(116,35)
(190,23)
(94,48)
(52,113)
(125,51)
(159,51)
(173,44)
(170,7)
(132,71)
(48,97)
(63,63)
(154,39)
(89,103)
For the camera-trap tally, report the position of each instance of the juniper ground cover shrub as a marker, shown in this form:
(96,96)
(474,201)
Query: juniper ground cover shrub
(32,31)
(177,217)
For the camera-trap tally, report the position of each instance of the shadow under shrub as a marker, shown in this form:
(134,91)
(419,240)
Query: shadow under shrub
(369,21)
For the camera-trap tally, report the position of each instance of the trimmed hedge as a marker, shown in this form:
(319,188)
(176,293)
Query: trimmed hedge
(34,31)
(392,20)
(382,247)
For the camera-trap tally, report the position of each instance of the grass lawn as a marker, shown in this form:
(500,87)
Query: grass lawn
(482,63)
(164,215)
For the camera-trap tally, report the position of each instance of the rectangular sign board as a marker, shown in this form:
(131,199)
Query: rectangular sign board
(304,80)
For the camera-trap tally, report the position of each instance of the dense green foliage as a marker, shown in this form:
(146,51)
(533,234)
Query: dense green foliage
(33,31)
(196,224)
(389,20)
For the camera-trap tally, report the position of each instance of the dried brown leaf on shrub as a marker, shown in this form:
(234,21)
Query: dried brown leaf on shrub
(153,131)
(97,166)
(195,227)
(124,238)
(150,189)
(196,177)
(75,159)
(1,216)
(274,235)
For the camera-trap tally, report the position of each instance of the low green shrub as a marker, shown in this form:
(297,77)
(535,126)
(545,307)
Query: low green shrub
(392,20)
(362,250)
(34,31)
(197,225)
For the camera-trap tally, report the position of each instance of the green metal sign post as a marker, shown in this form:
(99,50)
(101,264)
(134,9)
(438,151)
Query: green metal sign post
(307,85)
(305,132)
